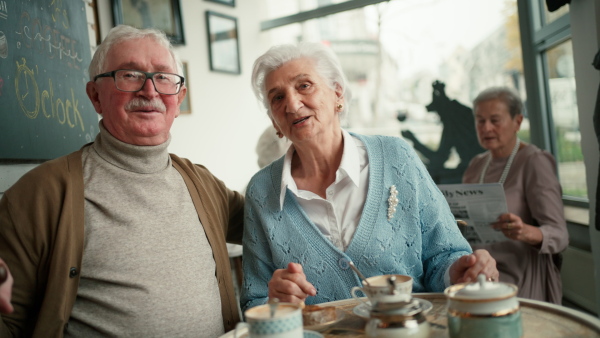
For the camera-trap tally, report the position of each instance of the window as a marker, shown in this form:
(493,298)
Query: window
(551,82)
(549,17)
(277,8)
(561,85)
(396,53)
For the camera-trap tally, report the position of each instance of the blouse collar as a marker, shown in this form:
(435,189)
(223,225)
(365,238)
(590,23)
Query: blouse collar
(349,167)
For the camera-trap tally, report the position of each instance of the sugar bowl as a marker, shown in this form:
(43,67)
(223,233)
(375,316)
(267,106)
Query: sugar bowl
(483,309)
(403,318)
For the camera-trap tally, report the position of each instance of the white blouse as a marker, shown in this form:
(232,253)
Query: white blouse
(338,215)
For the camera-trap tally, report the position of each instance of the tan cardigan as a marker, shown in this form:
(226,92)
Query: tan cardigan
(42,236)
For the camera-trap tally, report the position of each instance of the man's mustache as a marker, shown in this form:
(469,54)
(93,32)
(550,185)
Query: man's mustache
(140,103)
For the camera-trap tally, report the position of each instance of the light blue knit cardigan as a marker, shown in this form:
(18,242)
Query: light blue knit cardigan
(420,240)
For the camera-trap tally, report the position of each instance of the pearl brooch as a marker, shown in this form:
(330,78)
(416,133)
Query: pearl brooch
(392,202)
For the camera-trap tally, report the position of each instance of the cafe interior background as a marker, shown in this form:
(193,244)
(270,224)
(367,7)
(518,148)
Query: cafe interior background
(392,52)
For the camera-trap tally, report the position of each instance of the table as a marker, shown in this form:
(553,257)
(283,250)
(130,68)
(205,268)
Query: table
(540,319)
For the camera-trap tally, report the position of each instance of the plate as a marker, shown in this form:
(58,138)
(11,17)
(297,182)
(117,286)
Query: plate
(243,333)
(364,309)
(339,315)
(312,334)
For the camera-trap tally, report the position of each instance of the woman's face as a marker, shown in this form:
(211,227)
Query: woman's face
(496,130)
(303,106)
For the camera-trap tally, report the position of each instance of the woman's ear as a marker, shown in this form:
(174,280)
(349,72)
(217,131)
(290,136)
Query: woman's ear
(518,120)
(339,91)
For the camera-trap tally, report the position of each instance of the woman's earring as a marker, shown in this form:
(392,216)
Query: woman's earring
(279,134)
(339,107)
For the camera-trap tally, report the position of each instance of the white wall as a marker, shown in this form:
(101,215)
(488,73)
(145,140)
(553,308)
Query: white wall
(226,120)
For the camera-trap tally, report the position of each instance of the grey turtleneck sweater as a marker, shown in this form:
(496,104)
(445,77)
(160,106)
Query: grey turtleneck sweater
(148,269)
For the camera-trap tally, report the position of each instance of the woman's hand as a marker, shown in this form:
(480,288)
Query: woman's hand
(290,285)
(6,282)
(512,227)
(468,267)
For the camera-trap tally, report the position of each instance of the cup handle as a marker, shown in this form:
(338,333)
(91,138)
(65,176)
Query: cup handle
(353,292)
(239,326)
(371,328)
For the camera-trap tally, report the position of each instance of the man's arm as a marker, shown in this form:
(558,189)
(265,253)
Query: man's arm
(6,282)
(18,258)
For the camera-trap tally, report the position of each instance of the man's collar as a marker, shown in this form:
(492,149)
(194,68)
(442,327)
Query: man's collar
(350,165)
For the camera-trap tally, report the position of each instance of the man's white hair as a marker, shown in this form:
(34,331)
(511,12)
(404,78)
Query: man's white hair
(122,33)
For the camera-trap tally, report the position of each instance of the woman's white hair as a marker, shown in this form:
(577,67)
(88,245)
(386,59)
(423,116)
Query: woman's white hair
(122,33)
(505,94)
(326,64)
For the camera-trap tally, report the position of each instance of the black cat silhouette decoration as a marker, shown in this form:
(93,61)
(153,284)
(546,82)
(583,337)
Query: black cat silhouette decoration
(458,133)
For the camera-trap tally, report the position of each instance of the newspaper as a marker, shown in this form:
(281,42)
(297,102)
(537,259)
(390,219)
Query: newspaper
(478,205)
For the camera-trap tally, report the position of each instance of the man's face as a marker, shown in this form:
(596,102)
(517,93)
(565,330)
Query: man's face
(144,117)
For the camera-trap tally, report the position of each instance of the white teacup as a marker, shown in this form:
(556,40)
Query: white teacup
(286,322)
(378,289)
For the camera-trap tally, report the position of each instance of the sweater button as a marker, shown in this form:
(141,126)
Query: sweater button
(73,273)
(343,264)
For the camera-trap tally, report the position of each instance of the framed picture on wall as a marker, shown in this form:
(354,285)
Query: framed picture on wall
(224,2)
(223,44)
(186,107)
(164,15)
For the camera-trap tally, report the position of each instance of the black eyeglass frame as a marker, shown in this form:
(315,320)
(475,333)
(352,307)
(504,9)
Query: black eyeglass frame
(148,76)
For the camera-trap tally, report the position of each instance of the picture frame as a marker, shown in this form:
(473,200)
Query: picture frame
(186,106)
(224,2)
(223,43)
(164,15)
(96,25)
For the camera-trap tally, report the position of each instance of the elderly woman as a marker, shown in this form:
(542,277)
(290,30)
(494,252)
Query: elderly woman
(535,226)
(337,197)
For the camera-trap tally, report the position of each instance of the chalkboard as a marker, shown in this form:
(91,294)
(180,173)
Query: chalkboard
(44,54)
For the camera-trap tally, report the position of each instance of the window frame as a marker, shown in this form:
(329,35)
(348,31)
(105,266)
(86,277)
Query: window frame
(536,39)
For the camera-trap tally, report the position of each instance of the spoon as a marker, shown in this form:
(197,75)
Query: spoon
(360,275)
(273,302)
(392,283)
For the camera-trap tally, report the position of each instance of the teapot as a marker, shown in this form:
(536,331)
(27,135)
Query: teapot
(404,318)
(483,309)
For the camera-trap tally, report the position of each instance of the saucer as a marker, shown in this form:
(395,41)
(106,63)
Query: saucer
(312,334)
(324,326)
(243,333)
(364,309)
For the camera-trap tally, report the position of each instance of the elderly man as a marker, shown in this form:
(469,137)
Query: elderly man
(121,238)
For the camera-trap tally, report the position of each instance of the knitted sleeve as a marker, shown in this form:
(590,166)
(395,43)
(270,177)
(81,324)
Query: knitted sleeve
(257,265)
(274,237)
(441,241)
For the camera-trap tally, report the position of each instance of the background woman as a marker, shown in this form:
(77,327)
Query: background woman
(337,197)
(535,225)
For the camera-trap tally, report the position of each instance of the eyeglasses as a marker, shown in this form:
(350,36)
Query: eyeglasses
(128,80)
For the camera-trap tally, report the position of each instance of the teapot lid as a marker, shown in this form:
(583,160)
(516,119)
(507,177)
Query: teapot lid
(483,289)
